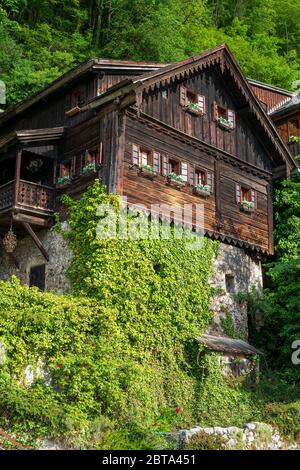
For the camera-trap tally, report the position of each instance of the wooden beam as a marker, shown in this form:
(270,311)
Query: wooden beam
(36,240)
(46,223)
(270,219)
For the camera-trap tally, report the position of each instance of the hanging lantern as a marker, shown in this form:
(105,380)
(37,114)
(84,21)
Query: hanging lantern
(10,242)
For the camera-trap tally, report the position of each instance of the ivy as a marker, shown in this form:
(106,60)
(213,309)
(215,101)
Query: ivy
(121,349)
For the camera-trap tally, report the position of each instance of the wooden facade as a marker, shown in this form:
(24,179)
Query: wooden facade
(284,109)
(191,133)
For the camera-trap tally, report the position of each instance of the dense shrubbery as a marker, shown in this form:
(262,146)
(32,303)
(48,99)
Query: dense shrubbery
(125,356)
(120,349)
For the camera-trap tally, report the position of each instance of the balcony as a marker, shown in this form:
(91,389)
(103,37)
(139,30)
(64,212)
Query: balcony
(27,197)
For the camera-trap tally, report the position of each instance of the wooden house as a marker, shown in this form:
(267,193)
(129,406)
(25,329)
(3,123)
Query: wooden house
(191,132)
(284,109)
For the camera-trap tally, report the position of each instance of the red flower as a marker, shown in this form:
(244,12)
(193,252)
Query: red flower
(178,409)
(59,365)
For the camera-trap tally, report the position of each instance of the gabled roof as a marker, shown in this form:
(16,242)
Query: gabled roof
(223,57)
(124,66)
(292,105)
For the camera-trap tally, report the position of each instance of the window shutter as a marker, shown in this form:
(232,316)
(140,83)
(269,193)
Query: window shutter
(238,193)
(165,162)
(73,166)
(59,171)
(183,96)
(253,198)
(214,111)
(100,156)
(156,158)
(201,103)
(210,181)
(135,154)
(192,174)
(184,171)
(231,117)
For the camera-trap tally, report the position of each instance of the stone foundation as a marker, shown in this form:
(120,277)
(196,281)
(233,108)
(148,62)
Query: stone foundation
(253,436)
(29,256)
(234,272)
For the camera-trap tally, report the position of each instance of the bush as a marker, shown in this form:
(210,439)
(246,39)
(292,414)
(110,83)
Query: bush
(205,441)
(285,417)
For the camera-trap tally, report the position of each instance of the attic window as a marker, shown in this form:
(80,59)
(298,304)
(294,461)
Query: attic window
(191,101)
(226,118)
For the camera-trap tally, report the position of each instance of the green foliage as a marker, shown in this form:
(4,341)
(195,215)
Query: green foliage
(204,441)
(285,417)
(224,401)
(280,303)
(123,358)
(41,40)
(228,325)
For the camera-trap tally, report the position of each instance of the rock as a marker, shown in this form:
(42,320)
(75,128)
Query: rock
(250,426)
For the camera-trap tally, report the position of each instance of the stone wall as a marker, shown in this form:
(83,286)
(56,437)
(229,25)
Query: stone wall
(253,436)
(235,271)
(28,256)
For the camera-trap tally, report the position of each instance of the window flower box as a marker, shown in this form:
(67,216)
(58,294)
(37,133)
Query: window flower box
(89,168)
(225,124)
(194,108)
(247,206)
(202,190)
(147,171)
(175,180)
(63,181)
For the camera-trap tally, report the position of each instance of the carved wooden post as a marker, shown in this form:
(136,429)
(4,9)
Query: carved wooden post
(17,175)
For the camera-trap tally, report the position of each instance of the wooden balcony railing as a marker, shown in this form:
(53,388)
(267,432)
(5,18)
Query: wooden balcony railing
(27,196)
(7,195)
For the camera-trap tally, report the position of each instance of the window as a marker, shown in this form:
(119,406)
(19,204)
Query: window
(200,177)
(174,166)
(37,277)
(230,283)
(66,169)
(164,93)
(221,112)
(204,178)
(225,117)
(192,101)
(76,99)
(245,196)
(144,157)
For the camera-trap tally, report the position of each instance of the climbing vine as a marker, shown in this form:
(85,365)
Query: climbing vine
(120,351)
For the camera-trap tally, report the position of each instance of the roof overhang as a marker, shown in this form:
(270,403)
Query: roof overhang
(227,345)
(32,136)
